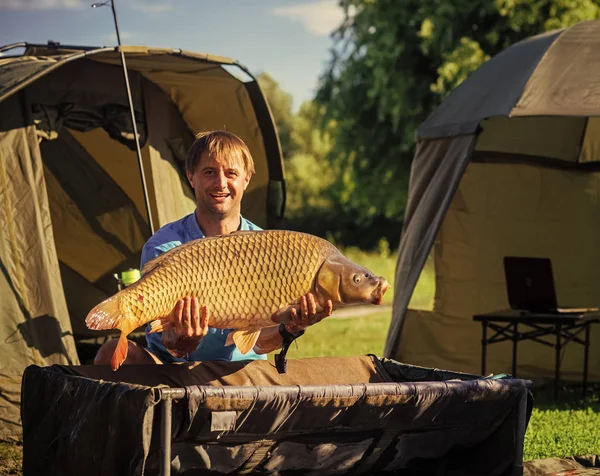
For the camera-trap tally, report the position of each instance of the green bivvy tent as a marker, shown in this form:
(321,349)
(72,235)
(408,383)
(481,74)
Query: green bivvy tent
(508,165)
(72,204)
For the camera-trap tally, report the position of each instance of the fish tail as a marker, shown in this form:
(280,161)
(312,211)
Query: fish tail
(106,315)
(120,353)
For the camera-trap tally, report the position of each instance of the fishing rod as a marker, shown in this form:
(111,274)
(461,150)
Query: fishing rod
(131,109)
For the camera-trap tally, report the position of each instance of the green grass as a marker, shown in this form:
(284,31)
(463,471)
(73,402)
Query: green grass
(567,428)
(343,337)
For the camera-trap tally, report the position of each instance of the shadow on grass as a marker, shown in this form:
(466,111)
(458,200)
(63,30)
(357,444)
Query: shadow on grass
(570,397)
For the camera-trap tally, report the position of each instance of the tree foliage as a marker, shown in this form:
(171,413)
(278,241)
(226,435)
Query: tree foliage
(280,103)
(309,175)
(394,62)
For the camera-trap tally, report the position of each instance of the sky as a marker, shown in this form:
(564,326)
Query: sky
(289,39)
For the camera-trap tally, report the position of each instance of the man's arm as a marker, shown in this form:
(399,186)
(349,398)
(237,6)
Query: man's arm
(270,338)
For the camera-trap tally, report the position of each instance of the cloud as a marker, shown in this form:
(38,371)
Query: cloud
(320,18)
(41,4)
(151,7)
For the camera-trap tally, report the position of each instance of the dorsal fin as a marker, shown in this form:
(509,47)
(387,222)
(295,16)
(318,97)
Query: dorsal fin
(154,263)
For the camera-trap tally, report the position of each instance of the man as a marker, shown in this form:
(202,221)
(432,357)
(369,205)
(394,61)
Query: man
(219,168)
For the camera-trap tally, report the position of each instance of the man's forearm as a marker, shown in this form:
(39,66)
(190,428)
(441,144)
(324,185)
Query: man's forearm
(268,341)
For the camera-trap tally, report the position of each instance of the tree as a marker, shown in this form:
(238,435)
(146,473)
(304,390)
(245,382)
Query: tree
(309,174)
(393,62)
(280,103)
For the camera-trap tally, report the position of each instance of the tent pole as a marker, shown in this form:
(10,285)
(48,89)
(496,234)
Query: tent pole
(131,110)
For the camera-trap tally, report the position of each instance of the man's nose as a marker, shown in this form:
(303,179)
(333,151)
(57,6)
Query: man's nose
(221,180)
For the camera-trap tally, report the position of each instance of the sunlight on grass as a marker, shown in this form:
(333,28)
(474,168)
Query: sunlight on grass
(562,433)
(344,336)
(424,293)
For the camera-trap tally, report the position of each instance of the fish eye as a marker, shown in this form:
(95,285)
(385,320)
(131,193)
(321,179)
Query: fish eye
(356,278)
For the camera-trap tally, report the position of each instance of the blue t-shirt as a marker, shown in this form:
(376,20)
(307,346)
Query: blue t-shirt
(212,346)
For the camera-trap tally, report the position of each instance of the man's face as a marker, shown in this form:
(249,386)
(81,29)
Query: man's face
(219,184)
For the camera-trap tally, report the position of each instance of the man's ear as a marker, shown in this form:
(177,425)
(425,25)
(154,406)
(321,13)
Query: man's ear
(190,177)
(247,180)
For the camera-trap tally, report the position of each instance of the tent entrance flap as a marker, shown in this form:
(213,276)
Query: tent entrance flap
(432,184)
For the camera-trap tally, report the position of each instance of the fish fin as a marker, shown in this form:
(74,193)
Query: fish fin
(120,353)
(245,339)
(229,340)
(106,315)
(154,263)
(160,325)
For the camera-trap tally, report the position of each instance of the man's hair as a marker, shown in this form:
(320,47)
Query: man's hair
(218,144)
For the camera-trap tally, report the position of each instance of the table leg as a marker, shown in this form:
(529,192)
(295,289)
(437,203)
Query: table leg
(557,362)
(515,339)
(586,356)
(483,346)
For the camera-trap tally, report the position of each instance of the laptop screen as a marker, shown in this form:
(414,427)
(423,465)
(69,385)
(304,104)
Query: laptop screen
(530,284)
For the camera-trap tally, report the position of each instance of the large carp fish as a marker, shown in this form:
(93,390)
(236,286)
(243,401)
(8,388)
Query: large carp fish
(248,279)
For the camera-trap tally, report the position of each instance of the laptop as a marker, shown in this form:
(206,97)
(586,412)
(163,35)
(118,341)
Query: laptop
(530,286)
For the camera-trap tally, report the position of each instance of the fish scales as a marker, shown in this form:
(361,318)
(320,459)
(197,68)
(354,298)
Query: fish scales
(248,279)
(244,278)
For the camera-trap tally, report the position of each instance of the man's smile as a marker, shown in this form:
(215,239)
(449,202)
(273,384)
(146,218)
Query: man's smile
(219,196)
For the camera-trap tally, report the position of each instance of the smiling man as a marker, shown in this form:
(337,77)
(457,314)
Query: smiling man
(219,167)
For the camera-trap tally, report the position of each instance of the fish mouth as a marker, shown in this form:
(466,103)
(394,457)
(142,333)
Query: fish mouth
(380,290)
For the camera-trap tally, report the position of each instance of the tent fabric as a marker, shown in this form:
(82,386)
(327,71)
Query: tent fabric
(74,197)
(484,224)
(16,72)
(584,465)
(435,174)
(552,74)
(546,138)
(35,325)
(565,79)
(527,186)
(324,416)
(492,90)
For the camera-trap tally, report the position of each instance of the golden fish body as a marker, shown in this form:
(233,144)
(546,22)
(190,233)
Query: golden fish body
(247,279)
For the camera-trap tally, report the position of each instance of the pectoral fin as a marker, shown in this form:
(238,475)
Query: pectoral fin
(244,339)
(160,325)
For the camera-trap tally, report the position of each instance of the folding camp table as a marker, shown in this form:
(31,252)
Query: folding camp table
(565,328)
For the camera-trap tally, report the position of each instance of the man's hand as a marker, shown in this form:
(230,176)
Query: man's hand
(310,313)
(189,325)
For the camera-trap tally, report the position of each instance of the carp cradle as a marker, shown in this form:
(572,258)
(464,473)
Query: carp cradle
(326,415)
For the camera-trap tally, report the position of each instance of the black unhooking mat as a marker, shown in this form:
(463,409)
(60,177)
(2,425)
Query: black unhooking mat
(349,415)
